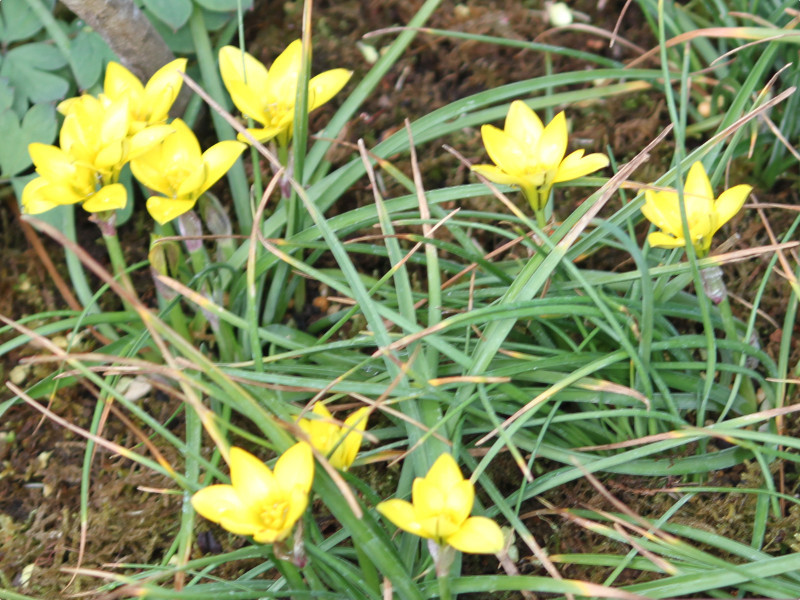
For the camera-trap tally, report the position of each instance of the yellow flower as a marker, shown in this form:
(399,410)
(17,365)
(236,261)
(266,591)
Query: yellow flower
(260,502)
(148,104)
(64,180)
(339,443)
(529,155)
(704,214)
(94,146)
(268,97)
(177,169)
(440,507)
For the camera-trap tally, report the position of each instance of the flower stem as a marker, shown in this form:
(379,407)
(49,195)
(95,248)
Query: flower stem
(541,220)
(444,587)
(118,265)
(290,572)
(714,287)
(747,391)
(106,223)
(279,292)
(443,556)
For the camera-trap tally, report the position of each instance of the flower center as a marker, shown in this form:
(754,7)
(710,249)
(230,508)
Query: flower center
(446,525)
(176,175)
(273,515)
(537,175)
(277,112)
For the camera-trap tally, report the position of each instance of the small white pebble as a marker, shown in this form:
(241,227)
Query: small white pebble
(559,14)
(25,575)
(43,459)
(368,52)
(18,374)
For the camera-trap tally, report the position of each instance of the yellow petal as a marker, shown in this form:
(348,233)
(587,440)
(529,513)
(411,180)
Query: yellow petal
(163,210)
(298,501)
(401,514)
(496,174)
(729,203)
(240,523)
(250,477)
(505,151)
(524,124)
(428,498)
(219,159)
(478,535)
(221,504)
(284,72)
(321,430)
(295,468)
(120,83)
(162,89)
(111,157)
(657,239)
(357,421)
(147,169)
(77,137)
(115,122)
(697,191)
(51,162)
(33,202)
(238,66)
(460,498)
(65,106)
(270,536)
(108,197)
(702,227)
(192,182)
(326,85)
(147,139)
(576,165)
(214,501)
(181,147)
(347,450)
(250,102)
(663,211)
(445,472)
(64,193)
(321,411)
(261,134)
(553,143)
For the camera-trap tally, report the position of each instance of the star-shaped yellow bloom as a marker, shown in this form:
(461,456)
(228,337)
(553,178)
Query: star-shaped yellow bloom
(704,214)
(268,97)
(178,170)
(339,443)
(148,104)
(260,502)
(439,510)
(94,146)
(529,155)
